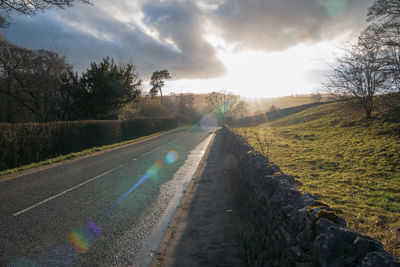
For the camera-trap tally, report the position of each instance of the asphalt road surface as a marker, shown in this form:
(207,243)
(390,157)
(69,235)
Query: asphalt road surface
(99,210)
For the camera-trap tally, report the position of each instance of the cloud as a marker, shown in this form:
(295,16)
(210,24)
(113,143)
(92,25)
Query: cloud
(278,24)
(157,34)
(154,36)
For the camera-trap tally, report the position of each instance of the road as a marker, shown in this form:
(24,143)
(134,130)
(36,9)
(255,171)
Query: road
(98,210)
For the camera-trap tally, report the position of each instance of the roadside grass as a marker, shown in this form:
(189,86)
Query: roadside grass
(350,163)
(77,154)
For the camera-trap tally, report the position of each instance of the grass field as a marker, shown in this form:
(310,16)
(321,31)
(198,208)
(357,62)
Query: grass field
(350,163)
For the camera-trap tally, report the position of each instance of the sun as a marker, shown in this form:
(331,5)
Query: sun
(296,70)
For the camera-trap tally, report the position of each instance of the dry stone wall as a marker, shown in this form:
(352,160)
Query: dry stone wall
(283,227)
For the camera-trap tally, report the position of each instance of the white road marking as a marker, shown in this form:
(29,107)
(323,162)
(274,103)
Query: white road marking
(151,151)
(94,178)
(180,137)
(62,193)
(173,141)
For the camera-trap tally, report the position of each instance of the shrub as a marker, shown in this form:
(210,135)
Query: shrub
(24,143)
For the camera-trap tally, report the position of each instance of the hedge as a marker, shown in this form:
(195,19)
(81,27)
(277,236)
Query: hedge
(24,143)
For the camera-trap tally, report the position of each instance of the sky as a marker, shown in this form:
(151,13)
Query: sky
(254,48)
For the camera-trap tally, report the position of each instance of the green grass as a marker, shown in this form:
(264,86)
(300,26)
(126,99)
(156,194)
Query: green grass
(351,163)
(76,154)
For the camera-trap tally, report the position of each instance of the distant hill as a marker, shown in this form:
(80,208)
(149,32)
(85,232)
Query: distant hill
(261,105)
(272,115)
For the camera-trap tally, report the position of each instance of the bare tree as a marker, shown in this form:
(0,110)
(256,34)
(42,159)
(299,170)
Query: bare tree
(29,82)
(359,73)
(185,103)
(273,108)
(387,12)
(222,101)
(31,7)
(385,31)
(226,105)
(184,107)
(239,110)
(316,97)
(263,143)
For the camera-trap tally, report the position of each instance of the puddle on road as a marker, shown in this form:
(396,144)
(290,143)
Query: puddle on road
(171,194)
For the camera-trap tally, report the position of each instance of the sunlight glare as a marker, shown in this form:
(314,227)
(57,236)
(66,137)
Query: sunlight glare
(260,74)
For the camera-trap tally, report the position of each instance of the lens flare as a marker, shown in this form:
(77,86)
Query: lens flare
(209,122)
(79,242)
(94,227)
(171,157)
(336,7)
(154,169)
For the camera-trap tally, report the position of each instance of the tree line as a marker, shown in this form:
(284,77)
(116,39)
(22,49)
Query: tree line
(41,86)
(371,66)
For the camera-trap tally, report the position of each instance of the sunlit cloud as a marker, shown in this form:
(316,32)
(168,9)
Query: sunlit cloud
(269,74)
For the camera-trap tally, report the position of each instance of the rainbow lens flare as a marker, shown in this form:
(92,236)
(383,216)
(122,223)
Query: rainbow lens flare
(94,228)
(154,169)
(79,242)
(81,239)
(171,157)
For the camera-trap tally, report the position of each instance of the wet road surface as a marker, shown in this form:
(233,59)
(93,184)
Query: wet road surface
(99,210)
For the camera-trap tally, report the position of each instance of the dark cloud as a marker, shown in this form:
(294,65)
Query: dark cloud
(279,24)
(159,34)
(91,33)
(184,24)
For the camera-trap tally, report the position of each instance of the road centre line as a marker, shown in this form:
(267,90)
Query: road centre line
(83,183)
(173,141)
(64,192)
(151,151)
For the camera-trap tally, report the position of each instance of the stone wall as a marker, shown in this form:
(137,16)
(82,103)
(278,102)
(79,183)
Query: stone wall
(283,227)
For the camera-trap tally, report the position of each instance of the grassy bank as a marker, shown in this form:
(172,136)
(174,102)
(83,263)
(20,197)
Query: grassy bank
(350,163)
